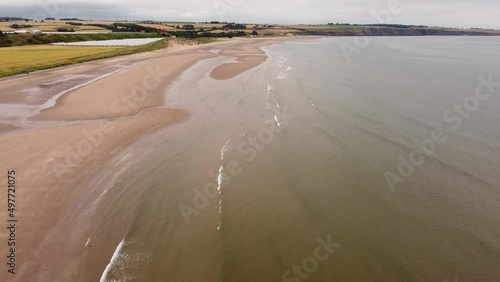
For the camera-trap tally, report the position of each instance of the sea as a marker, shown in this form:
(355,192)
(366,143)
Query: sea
(338,159)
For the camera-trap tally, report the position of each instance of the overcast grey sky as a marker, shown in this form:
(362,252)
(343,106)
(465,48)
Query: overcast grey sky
(455,13)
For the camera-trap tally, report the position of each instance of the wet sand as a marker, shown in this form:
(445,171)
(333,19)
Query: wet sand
(105,106)
(247,57)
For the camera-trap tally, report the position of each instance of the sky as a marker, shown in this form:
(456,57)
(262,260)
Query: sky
(446,13)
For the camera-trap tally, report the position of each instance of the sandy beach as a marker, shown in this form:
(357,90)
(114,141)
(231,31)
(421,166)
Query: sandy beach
(60,127)
(244,160)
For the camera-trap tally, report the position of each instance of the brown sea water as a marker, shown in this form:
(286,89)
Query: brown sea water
(315,167)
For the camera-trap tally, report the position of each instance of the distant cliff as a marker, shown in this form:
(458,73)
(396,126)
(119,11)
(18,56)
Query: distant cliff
(387,31)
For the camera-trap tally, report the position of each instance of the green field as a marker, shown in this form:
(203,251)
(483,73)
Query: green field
(24,59)
(43,39)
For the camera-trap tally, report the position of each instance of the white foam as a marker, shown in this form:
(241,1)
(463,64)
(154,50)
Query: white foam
(220,214)
(225,149)
(269,104)
(313,104)
(278,104)
(220,179)
(278,122)
(282,76)
(114,258)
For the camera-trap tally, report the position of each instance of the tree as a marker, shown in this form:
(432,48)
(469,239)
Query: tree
(65,30)
(1,34)
(16,26)
(255,33)
(234,26)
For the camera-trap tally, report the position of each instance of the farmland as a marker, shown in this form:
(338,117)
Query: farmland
(16,60)
(217,29)
(49,26)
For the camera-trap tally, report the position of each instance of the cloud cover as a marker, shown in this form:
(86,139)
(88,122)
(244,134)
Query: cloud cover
(453,13)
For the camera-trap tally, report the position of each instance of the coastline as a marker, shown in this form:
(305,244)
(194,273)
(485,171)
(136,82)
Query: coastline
(57,150)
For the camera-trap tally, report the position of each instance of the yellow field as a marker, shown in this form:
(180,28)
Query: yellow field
(13,59)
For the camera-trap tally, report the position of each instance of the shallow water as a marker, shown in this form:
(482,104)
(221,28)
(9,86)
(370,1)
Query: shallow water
(297,152)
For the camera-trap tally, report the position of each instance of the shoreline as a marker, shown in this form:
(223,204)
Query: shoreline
(55,160)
